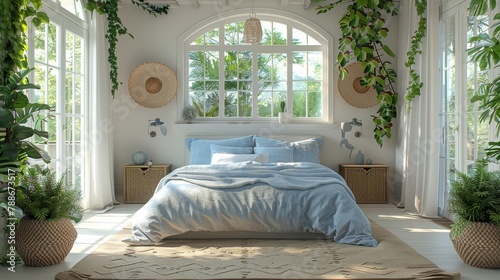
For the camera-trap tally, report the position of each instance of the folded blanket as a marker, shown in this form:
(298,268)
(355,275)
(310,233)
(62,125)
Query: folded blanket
(287,176)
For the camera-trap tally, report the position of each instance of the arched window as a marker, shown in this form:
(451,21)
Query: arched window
(58,52)
(227,80)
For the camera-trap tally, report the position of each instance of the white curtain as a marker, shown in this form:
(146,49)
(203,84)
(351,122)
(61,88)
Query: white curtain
(418,141)
(99,192)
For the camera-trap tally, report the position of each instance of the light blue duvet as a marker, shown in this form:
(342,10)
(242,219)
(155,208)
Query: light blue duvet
(281,197)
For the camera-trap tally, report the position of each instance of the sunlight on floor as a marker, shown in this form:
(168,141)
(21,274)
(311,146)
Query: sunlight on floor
(399,217)
(105,222)
(427,230)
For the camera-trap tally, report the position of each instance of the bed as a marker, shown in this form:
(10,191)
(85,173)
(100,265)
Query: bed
(252,184)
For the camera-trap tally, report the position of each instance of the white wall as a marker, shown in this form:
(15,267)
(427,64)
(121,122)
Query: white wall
(155,41)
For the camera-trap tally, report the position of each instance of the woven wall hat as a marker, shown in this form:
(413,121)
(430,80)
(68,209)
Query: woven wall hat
(152,84)
(353,92)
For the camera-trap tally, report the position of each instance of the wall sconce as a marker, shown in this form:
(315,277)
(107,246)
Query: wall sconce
(347,126)
(156,122)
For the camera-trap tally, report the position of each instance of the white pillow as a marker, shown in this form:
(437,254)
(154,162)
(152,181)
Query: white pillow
(219,158)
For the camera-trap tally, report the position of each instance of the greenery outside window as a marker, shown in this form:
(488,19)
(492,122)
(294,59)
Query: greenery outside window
(58,53)
(228,80)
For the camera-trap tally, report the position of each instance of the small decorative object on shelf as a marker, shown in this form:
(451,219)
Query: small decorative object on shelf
(368,161)
(149,163)
(139,158)
(360,158)
(189,113)
(282,114)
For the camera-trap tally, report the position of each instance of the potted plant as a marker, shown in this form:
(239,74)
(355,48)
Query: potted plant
(189,113)
(282,114)
(475,202)
(46,234)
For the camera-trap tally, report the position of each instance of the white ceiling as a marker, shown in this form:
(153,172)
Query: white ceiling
(222,3)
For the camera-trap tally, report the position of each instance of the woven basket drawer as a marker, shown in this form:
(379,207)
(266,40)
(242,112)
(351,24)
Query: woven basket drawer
(140,181)
(368,183)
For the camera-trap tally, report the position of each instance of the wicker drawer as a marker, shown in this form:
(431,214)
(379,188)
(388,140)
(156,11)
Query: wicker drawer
(140,181)
(367,182)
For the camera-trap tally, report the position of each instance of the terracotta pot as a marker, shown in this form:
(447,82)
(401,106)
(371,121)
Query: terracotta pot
(44,243)
(479,245)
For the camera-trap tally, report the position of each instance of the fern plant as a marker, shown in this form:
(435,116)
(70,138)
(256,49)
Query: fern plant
(475,197)
(42,197)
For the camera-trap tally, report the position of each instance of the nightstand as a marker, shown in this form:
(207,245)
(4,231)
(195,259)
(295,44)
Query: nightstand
(140,181)
(367,182)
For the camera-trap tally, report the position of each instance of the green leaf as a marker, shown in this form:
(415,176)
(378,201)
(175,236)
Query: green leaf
(21,132)
(6,118)
(388,51)
(34,152)
(36,21)
(493,4)
(43,17)
(478,7)
(13,211)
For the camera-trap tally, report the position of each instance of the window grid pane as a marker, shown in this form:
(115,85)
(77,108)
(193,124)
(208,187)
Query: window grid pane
(272,83)
(272,73)
(307,84)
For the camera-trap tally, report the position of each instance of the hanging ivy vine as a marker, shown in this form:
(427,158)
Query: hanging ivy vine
(415,84)
(363,29)
(13,37)
(116,28)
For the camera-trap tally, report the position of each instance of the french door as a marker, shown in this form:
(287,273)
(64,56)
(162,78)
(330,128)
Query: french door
(57,51)
(464,137)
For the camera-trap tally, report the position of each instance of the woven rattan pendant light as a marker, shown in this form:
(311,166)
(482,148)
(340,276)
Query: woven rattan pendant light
(252,31)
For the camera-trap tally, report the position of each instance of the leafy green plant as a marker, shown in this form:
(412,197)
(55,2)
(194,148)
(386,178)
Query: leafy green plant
(475,197)
(116,28)
(415,85)
(13,37)
(363,30)
(486,53)
(42,197)
(15,112)
(282,106)
(189,113)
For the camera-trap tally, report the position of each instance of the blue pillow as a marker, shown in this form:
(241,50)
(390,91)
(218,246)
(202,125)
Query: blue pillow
(217,149)
(200,152)
(276,154)
(303,151)
(306,151)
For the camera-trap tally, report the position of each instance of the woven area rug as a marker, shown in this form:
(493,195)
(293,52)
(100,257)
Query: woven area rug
(256,259)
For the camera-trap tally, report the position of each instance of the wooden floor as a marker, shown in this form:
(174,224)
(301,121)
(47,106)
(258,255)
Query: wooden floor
(426,237)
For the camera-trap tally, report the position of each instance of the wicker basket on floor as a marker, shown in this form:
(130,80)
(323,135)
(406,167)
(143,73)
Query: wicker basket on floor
(44,243)
(479,245)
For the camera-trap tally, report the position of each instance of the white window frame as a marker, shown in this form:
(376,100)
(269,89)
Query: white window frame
(459,10)
(292,20)
(67,22)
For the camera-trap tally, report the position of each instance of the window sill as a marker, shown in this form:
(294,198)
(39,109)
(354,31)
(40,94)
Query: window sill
(253,128)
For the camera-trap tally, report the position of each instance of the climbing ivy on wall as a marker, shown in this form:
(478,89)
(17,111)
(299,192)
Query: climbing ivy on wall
(109,8)
(363,32)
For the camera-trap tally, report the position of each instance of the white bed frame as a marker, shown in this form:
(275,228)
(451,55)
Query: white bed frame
(248,234)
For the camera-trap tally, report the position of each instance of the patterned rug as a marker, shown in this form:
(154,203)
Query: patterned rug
(256,259)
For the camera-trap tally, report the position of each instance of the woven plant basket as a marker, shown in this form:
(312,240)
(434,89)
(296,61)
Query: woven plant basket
(44,243)
(479,245)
